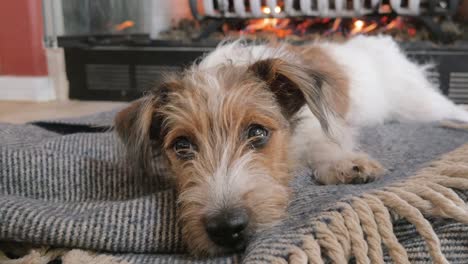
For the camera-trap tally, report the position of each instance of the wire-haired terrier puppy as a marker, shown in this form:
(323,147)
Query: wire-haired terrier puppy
(234,127)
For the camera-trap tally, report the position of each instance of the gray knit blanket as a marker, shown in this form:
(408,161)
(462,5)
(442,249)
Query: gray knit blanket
(64,184)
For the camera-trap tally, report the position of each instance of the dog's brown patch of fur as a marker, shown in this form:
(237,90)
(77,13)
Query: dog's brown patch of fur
(317,59)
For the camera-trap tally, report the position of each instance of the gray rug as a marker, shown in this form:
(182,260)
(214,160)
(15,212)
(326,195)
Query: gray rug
(63,183)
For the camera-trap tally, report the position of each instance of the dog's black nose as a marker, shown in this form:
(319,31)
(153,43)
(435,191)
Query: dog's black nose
(227,228)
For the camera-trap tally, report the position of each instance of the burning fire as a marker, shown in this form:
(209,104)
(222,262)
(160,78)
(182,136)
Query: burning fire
(360,26)
(316,27)
(278,27)
(124,25)
(272,25)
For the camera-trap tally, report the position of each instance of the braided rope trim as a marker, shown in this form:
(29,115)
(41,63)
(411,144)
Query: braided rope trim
(359,226)
(44,255)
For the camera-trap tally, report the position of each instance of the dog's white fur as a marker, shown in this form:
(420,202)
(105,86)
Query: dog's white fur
(384,85)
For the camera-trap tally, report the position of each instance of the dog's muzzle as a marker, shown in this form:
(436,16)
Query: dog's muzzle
(227,228)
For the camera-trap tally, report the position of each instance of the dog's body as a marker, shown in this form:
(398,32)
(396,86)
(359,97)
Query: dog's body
(381,84)
(234,127)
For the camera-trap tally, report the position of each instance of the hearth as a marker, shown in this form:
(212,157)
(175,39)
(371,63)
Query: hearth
(123,63)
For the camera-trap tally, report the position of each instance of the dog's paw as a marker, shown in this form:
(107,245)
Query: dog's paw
(357,169)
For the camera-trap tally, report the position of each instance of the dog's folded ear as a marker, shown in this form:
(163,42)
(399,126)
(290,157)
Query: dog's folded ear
(125,122)
(136,128)
(294,86)
(140,126)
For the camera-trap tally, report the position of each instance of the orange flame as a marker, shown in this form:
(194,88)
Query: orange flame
(336,24)
(395,23)
(369,28)
(358,25)
(277,26)
(361,27)
(124,25)
(259,24)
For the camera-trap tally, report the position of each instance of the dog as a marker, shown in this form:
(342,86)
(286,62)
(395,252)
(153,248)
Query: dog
(235,126)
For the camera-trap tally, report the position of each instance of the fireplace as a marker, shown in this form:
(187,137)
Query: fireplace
(127,48)
(407,20)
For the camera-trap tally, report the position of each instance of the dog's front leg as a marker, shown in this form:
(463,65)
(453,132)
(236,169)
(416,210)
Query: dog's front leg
(333,159)
(353,167)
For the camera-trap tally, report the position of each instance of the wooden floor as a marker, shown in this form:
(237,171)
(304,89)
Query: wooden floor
(21,112)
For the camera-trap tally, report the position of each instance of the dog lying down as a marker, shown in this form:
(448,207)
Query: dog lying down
(235,125)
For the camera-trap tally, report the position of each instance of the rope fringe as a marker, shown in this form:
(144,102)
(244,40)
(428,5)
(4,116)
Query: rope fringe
(75,256)
(361,226)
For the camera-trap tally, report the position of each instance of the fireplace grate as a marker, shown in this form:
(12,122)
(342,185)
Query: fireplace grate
(107,77)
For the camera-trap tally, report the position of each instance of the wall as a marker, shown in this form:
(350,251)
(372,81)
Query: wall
(23,62)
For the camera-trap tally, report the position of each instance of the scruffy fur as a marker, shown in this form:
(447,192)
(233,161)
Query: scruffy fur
(311,98)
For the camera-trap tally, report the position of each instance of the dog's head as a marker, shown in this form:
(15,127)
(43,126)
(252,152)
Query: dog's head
(225,134)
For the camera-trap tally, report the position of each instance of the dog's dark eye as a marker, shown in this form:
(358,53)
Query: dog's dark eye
(183,148)
(258,135)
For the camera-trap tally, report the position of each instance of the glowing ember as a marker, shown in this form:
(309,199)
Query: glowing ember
(411,32)
(124,25)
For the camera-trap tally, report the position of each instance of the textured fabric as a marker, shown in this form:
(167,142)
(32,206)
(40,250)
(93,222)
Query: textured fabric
(71,188)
